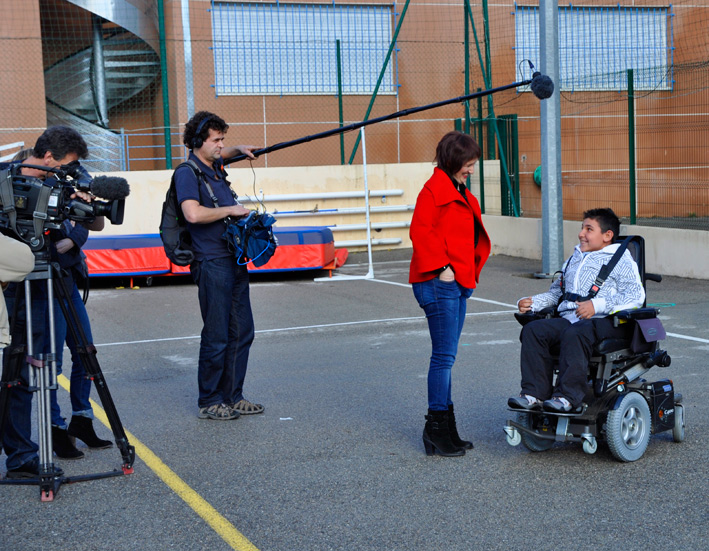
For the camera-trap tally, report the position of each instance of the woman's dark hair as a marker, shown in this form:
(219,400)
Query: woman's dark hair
(607,220)
(454,150)
(23,154)
(197,128)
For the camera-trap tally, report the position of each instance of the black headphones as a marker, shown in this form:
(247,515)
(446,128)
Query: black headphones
(197,141)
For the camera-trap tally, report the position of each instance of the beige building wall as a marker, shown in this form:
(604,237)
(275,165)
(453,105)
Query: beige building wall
(22,102)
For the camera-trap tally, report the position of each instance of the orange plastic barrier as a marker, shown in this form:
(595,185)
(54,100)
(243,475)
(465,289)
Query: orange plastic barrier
(299,248)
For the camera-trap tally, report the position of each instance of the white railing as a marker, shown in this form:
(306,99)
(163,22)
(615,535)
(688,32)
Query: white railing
(9,156)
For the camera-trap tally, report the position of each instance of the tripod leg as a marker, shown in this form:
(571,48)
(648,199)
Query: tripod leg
(43,376)
(17,405)
(87,353)
(43,382)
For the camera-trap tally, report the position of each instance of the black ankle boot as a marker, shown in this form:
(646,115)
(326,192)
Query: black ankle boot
(82,428)
(457,441)
(61,443)
(437,436)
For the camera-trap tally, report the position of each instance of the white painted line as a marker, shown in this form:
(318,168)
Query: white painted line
(471,298)
(362,322)
(392,283)
(687,337)
(303,328)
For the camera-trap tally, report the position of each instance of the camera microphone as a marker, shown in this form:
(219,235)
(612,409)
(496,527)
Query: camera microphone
(110,187)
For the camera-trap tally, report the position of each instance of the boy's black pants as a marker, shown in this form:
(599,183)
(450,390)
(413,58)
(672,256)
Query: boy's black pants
(573,342)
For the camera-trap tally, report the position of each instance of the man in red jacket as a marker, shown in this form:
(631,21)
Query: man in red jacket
(450,248)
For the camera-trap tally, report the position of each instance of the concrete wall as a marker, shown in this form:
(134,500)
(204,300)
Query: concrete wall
(683,253)
(669,251)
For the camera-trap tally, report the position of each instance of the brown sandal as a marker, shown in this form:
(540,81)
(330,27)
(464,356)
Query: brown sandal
(244,407)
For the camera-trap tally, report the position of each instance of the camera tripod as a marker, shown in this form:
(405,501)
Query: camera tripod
(42,376)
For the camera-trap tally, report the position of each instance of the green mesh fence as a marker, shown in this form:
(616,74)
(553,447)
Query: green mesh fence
(128,74)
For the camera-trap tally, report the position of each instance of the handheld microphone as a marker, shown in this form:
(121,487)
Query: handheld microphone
(110,187)
(542,86)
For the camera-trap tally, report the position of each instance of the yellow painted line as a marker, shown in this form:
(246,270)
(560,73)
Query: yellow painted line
(196,502)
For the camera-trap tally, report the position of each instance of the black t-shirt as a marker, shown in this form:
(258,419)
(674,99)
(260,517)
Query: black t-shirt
(207,240)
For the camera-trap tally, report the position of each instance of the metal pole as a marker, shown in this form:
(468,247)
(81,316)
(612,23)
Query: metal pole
(481,163)
(493,131)
(631,146)
(488,82)
(98,78)
(370,273)
(466,126)
(338,52)
(187,43)
(357,125)
(165,94)
(550,120)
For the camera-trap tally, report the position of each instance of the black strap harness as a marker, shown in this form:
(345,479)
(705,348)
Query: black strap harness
(603,274)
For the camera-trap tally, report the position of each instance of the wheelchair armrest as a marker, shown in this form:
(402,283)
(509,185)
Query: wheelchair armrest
(636,314)
(527,317)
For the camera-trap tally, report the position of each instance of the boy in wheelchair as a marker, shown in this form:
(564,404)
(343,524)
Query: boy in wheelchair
(582,317)
(592,331)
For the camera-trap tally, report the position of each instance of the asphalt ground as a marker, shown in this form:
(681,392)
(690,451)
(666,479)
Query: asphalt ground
(336,461)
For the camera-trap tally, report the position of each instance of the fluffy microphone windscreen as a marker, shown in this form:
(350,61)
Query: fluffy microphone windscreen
(110,187)
(542,86)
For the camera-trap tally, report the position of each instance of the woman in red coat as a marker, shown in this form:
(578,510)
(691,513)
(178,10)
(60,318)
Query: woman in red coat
(450,248)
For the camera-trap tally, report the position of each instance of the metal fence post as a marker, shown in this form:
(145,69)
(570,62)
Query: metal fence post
(165,94)
(338,53)
(631,147)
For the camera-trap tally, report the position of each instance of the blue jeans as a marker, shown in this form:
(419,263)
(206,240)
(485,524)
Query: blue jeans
(228,329)
(80,388)
(17,435)
(445,305)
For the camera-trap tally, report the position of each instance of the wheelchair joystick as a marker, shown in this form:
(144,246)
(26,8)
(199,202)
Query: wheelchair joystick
(659,357)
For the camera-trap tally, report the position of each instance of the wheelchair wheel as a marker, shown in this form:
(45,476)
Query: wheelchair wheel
(678,429)
(536,423)
(628,428)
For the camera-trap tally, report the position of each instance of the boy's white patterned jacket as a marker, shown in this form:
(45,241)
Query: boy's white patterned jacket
(622,290)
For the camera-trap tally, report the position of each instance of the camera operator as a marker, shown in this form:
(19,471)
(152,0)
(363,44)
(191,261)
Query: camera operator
(68,242)
(57,146)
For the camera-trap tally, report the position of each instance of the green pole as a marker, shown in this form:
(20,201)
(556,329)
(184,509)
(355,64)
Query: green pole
(492,122)
(481,168)
(631,144)
(165,94)
(339,99)
(381,76)
(488,72)
(467,68)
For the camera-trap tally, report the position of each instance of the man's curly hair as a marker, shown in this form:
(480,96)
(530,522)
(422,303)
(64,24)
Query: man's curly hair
(213,122)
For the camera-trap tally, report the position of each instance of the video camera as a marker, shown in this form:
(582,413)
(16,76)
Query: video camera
(29,206)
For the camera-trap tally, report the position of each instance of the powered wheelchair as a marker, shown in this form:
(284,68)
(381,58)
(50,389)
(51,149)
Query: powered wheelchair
(621,406)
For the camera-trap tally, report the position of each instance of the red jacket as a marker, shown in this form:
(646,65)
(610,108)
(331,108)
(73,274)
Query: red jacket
(443,232)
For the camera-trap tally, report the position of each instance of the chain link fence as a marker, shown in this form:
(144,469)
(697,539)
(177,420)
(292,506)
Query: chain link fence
(128,74)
